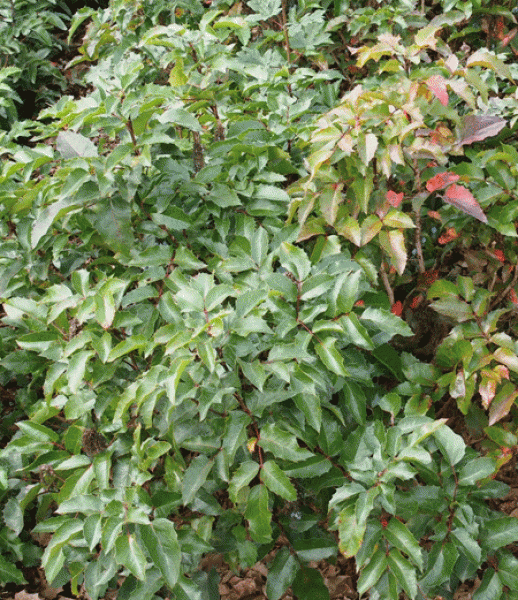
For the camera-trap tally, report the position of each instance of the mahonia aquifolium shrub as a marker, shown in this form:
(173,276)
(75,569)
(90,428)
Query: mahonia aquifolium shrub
(202,346)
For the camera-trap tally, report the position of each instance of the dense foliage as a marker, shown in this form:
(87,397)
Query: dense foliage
(246,271)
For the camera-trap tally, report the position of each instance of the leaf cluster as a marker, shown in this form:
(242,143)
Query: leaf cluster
(231,315)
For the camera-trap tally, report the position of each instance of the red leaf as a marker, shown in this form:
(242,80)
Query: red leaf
(506,39)
(461,197)
(397,308)
(416,301)
(441,180)
(499,255)
(437,85)
(513,296)
(394,199)
(448,237)
(479,127)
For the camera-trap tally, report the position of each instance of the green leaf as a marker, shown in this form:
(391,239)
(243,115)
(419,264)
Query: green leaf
(92,530)
(508,570)
(242,477)
(330,356)
(38,432)
(451,444)
(313,467)
(490,588)
(9,573)
(130,344)
(71,145)
(195,476)
(403,571)
(399,536)
(113,222)
(315,549)
(310,405)
(129,554)
(476,469)
(87,504)
(282,444)
(161,542)
(362,188)
(259,515)
(375,568)
(356,332)
(309,585)
(277,482)
(281,574)
(499,532)
(354,401)
(453,307)
(469,545)
(295,261)
(180,116)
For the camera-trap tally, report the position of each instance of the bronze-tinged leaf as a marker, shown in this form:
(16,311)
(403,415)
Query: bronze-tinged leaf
(441,180)
(476,128)
(503,402)
(437,85)
(462,198)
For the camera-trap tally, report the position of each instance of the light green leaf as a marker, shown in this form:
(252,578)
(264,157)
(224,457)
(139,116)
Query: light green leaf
(490,588)
(295,261)
(350,532)
(476,469)
(180,116)
(130,555)
(315,549)
(87,504)
(130,344)
(451,444)
(484,58)
(331,357)
(468,544)
(393,242)
(71,145)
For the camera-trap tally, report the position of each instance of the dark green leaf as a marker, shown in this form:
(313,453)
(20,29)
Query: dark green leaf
(277,481)
(281,574)
(309,585)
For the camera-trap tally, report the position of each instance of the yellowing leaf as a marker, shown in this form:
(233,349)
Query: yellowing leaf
(393,242)
(367,150)
(483,58)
